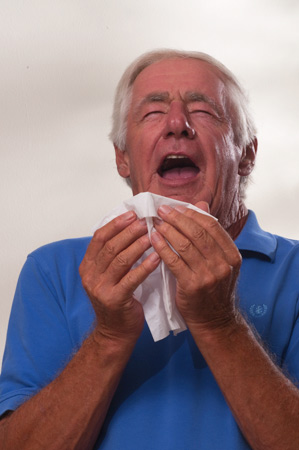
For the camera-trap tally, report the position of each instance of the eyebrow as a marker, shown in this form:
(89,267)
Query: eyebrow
(151,98)
(194,96)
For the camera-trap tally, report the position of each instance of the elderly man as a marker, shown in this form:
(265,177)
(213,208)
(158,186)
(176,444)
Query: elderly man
(82,377)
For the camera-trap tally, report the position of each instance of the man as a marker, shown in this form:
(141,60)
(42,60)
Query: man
(93,377)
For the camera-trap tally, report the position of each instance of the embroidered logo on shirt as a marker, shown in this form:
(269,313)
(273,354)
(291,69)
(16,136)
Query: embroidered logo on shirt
(258,310)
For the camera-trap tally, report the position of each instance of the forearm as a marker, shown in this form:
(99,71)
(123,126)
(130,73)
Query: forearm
(264,402)
(69,412)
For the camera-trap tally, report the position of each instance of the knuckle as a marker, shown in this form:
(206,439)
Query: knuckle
(184,246)
(87,281)
(145,267)
(122,260)
(109,248)
(237,260)
(115,224)
(173,260)
(165,227)
(209,281)
(133,228)
(212,223)
(131,278)
(198,233)
(143,242)
(223,271)
(98,235)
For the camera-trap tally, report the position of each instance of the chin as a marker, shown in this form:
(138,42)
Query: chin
(187,193)
(183,198)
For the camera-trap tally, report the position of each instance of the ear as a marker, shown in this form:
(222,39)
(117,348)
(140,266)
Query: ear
(122,162)
(247,161)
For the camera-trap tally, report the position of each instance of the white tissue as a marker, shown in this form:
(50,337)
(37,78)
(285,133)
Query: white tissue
(157,292)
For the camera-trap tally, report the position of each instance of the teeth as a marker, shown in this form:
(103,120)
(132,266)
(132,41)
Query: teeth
(175,157)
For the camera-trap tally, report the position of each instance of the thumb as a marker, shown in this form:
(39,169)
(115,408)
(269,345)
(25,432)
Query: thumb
(203,205)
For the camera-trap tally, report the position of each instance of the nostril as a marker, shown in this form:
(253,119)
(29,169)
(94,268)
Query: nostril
(186,132)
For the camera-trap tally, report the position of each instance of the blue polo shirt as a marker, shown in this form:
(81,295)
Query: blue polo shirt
(167,398)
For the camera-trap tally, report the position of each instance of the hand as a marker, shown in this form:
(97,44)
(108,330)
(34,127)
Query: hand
(108,277)
(206,265)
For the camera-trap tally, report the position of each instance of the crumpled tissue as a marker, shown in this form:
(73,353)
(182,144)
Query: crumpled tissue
(157,292)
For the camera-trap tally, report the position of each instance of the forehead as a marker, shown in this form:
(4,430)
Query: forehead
(178,76)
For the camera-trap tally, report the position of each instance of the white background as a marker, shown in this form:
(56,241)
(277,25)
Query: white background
(60,61)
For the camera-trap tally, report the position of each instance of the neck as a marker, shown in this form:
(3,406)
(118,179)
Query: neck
(236,227)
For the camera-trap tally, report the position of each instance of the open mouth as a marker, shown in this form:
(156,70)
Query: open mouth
(178,167)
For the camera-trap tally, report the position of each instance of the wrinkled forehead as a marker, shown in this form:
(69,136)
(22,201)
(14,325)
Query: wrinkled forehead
(178,76)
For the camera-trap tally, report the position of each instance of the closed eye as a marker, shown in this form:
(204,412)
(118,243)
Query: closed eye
(202,111)
(152,113)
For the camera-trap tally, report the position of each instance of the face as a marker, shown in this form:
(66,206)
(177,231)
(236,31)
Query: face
(180,141)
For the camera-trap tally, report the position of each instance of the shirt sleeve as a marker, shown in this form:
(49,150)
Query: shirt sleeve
(38,344)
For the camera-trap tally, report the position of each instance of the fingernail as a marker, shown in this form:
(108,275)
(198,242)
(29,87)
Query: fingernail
(180,208)
(142,222)
(157,221)
(128,215)
(165,209)
(155,237)
(154,257)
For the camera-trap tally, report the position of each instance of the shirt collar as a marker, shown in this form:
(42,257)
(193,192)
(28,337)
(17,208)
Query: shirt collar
(253,239)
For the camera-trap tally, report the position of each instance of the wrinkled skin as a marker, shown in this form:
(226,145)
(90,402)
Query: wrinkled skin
(206,269)
(178,107)
(181,123)
(108,280)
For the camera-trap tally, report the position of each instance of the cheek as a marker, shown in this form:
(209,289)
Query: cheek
(223,164)
(140,142)
(228,154)
(139,168)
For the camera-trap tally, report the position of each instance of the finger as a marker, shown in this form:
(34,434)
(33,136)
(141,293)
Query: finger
(205,233)
(123,261)
(136,276)
(173,261)
(192,230)
(217,232)
(103,234)
(197,263)
(181,244)
(119,243)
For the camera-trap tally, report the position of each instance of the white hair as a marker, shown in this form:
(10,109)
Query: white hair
(243,126)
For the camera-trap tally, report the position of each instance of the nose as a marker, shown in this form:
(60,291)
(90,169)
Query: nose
(177,124)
